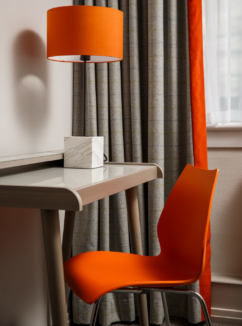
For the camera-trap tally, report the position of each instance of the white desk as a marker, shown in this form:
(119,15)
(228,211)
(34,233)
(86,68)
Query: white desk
(53,188)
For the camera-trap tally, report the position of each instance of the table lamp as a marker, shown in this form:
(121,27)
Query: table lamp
(85,34)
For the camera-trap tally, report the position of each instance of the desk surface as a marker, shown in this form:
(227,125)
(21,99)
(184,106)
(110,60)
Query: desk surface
(70,189)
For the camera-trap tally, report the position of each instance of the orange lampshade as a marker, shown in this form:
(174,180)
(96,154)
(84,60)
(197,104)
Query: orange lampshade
(93,31)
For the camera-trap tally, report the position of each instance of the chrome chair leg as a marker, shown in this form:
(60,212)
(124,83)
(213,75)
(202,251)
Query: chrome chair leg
(163,294)
(204,308)
(186,292)
(95,312)
(167,319)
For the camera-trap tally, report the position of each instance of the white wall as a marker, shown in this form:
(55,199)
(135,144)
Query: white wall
(35,93)
(226,214)
(226,238)
(35,115)
(23,283)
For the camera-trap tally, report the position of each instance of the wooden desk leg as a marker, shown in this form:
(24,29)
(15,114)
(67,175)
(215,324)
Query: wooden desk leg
(67,241)
(54,264)
(136,245)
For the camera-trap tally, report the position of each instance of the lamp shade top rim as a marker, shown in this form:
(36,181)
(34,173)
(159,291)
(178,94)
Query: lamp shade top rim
(82,6)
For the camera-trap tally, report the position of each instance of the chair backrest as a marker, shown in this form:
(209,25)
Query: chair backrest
(184,221)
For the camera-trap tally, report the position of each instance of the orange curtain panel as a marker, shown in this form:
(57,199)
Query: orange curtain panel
(199,119)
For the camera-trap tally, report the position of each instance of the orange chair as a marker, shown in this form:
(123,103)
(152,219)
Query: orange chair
(182,232)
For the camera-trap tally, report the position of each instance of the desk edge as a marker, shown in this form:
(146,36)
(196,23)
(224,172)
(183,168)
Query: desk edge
(160,173)
(40,197)
(113,186)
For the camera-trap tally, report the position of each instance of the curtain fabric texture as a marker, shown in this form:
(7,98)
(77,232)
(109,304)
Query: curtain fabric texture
(142,108)
(222,30)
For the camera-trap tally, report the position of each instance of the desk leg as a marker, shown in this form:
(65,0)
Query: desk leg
(54,264)
(67,241)
(136,245)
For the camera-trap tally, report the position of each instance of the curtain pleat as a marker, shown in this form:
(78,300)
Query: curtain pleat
(155,136)
(142,108)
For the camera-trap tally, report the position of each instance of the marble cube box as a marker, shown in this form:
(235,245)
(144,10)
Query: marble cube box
(83,152)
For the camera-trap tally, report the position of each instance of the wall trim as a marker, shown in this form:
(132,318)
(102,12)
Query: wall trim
(226,299)
(226,278)
(225,126)
(226,316)
(224,138)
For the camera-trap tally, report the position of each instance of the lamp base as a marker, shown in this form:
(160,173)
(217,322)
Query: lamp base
(83,152)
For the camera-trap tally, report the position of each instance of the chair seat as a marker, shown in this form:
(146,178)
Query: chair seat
(93,274)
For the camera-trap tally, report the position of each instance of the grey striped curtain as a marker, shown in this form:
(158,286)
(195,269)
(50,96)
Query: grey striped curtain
(142,108)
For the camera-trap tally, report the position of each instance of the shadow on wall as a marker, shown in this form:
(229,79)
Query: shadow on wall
(30,67)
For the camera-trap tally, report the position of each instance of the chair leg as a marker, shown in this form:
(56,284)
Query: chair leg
(204,308)
(95,312)
(167,319)
(184,292)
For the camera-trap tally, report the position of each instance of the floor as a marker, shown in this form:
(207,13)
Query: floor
(174,321)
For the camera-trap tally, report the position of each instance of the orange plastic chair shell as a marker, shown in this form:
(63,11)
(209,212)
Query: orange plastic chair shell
(182,232)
